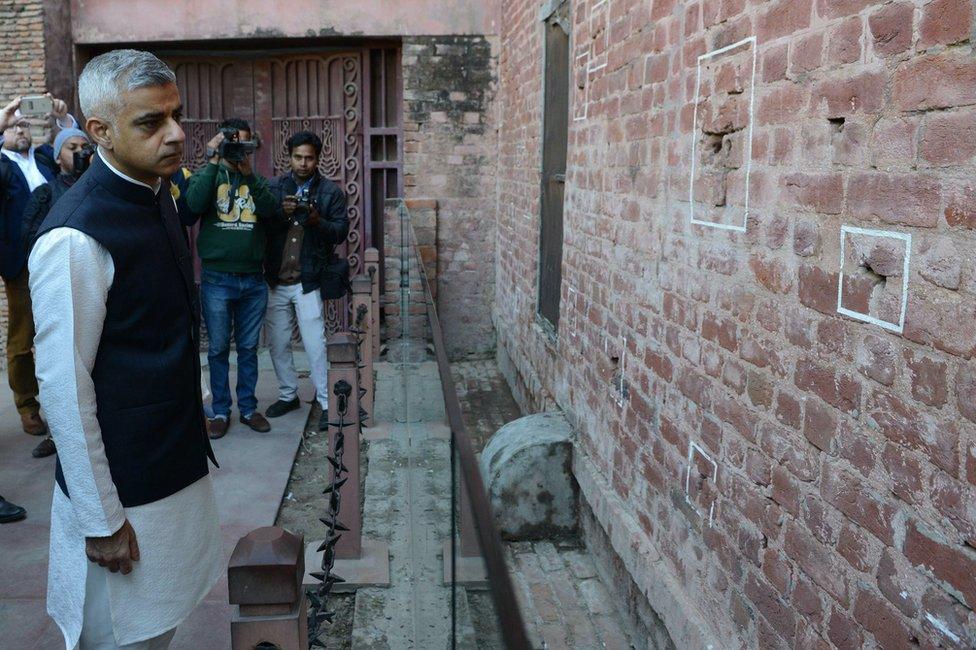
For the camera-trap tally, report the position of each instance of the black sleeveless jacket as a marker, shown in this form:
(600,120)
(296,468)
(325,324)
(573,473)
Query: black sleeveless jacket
(147,369)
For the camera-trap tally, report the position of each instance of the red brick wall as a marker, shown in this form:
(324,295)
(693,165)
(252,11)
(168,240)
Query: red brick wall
(844,499)
(21,47)
(450,145)
(21,72)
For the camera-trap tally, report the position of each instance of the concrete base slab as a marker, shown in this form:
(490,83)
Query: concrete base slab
(379,431)
(469,572)
(438,430)
(408,502)
(370,570)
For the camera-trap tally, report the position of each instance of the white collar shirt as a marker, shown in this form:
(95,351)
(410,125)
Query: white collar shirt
(28,167)
(155,190)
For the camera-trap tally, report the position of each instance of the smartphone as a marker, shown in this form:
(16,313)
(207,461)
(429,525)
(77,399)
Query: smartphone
(36,105)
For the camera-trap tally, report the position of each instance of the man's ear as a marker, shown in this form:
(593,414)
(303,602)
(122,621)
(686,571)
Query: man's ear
(100,131)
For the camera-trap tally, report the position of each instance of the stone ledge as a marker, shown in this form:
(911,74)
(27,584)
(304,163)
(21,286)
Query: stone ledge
(370,570)
(687,626)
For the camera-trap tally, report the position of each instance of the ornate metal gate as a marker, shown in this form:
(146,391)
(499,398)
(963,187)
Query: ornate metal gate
(323,94)
(279,96)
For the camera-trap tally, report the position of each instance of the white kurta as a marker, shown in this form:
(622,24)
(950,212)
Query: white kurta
(178,536)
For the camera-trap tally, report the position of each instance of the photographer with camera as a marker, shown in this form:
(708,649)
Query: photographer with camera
(73,152)
(234,203)
(309,222)
(23,168)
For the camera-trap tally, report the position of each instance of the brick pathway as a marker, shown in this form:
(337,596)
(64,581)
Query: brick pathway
(563,600)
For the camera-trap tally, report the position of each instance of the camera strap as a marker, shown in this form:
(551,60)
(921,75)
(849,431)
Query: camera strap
(233,183)
(307,185)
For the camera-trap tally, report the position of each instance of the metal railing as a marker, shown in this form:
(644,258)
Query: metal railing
(271,605)
(472,529)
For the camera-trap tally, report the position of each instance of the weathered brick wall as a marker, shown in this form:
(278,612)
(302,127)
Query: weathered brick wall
(450,155)
(399,219)
(842,500)
(21,72)
(21,47)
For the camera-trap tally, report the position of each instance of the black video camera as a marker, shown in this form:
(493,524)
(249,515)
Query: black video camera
(232,148)
(82,159)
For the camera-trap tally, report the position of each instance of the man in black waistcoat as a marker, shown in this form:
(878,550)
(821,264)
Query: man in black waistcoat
(135,542)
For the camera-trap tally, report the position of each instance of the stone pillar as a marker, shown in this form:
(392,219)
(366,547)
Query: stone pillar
(362,301)
(359,562)
(341,351)
(264,583)
(371,262)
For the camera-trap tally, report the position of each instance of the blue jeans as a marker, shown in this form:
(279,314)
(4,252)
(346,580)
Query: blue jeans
(233,301)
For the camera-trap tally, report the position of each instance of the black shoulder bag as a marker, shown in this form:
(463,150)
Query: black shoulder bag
(334,282)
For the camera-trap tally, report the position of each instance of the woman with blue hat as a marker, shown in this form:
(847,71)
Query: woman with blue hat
(72,151)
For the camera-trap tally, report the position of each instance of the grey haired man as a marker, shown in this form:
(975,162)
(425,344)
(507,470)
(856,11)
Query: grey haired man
(135,541)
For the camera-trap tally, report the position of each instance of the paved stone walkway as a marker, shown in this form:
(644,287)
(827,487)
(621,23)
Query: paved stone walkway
(249,485)
(407,504)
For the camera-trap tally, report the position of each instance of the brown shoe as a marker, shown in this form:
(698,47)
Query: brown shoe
(217,427)
(257,422)
(44,448)
(33,424)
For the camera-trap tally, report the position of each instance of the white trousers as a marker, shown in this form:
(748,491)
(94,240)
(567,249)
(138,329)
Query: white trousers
(286,304)
(96,629)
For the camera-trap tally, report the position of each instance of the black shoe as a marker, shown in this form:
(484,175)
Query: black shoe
(44,448)
(10,512)
(324,420)
(281,407)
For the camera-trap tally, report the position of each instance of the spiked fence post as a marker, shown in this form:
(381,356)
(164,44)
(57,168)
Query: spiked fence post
(371,264)
(341,351)
(362,318)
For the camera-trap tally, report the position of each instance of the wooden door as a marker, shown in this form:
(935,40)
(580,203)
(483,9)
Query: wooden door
(212,89)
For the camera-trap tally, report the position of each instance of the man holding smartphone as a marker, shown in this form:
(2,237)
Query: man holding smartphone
(309,222)
(23,168)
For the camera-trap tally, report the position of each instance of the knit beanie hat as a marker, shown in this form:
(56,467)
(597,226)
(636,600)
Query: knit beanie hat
(63,136)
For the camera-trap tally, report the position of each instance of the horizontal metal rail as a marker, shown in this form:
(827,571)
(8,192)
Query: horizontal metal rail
(499,580)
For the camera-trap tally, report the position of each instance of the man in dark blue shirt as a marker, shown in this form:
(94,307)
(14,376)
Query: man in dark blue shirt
(23,168)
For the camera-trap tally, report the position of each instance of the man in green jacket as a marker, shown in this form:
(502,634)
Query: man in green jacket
(234,203)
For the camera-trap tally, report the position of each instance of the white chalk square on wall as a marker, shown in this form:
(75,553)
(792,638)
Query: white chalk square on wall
(619,388)
(722,128)
(599,32)
(701,481)
(582,95)
(573,308)
(873,282)
(615,375)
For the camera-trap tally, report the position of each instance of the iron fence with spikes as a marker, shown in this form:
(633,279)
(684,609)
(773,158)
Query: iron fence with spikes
(327,579)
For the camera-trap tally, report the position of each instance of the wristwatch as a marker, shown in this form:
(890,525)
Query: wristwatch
(211,152)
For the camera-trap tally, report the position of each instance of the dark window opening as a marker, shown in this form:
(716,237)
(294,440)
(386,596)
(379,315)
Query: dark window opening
(555,132)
